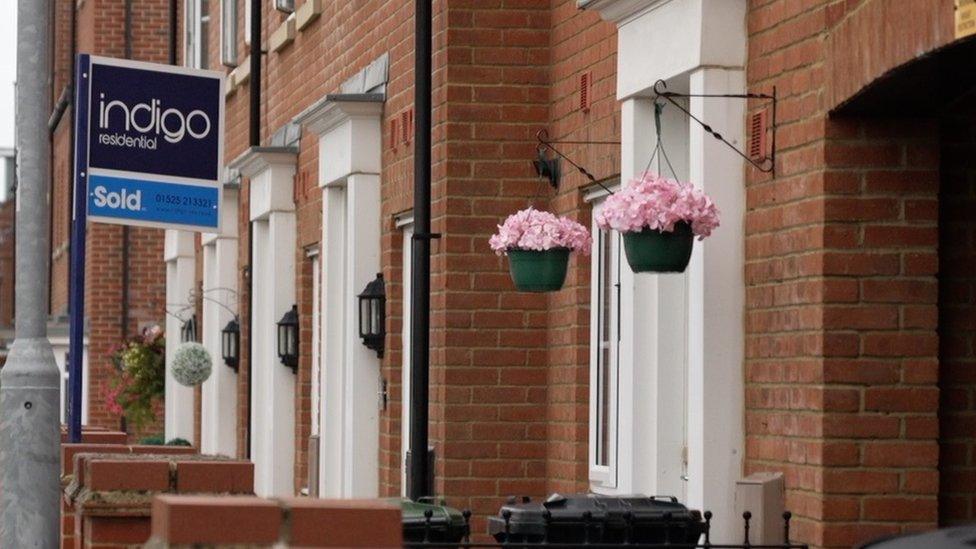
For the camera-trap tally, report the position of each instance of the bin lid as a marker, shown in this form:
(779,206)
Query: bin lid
(442,515)
(571,508)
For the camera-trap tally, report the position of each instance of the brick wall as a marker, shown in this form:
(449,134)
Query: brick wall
(581,43)
(503,70)
(842,347)
(957,321)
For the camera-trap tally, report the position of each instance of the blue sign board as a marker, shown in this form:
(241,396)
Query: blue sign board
(150,143)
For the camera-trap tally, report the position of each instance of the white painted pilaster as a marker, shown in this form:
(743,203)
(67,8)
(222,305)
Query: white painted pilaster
(349,164)
(180,273)
(218,421)
(273,225)
(716,303)
(685,384)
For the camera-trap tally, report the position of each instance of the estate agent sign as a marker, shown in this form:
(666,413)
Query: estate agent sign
(150,143)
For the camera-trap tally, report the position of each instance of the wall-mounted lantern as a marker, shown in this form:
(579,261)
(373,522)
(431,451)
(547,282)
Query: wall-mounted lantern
(372,315)
(188,332)
(230,344)
(288,338)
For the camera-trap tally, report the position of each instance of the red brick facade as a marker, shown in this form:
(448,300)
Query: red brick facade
(859,313)
(846,282)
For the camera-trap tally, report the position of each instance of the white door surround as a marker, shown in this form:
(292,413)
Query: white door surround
(271,171)
(349,130)
(180,258)
(694,334)
(218,411)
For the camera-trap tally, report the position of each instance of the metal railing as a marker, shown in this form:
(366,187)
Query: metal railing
(674,534)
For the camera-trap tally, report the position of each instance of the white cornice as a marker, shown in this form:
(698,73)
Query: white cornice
(619,11)
(258,159)
(333,110)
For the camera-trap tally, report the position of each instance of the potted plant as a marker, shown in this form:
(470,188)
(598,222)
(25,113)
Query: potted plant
(538,245)
(659,219)
(140,385)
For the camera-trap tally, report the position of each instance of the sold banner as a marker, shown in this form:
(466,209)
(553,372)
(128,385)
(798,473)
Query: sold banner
(149,143)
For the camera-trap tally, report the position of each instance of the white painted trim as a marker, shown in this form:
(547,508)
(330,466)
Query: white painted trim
(405,335)
(403,219)
(604,477)
(59,346)
(620,11)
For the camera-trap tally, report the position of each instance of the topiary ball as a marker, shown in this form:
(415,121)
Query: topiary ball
(191,364)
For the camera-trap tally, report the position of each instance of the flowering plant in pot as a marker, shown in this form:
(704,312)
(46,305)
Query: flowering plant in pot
(140,384)
(659,219)
(538,245)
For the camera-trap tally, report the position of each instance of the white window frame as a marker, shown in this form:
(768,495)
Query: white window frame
(228,33)
(316,344)
(405,224)
(604,475)
(247,22)
(195,33)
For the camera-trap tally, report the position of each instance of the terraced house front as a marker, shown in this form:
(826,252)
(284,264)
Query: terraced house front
(824,331)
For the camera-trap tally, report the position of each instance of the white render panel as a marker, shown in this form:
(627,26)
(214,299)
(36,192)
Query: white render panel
(180,276)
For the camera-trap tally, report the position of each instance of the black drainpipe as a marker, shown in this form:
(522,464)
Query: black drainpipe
(255,82)
(254,136)
(420,474)
(172,32)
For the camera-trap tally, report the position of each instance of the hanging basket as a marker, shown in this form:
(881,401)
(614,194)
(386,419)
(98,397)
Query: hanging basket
(538,271)
(652,251)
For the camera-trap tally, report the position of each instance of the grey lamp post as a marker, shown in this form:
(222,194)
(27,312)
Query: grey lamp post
(29,382)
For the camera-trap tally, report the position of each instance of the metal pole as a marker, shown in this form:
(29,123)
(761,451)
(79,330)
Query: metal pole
(420,289)
(254,133)
(29,383)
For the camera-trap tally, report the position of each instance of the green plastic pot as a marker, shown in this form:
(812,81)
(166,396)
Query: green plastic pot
(652,251)
(538,271)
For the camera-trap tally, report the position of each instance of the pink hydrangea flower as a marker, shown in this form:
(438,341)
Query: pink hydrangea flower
(531,229)
(658,203)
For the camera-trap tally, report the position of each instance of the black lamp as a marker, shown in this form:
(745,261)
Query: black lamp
(372,315)
(230,344)
(288,338)
(188,332)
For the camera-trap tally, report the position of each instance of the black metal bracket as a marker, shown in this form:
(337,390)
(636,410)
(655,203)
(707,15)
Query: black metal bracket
(427,236)
(545,143)
(766,164)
